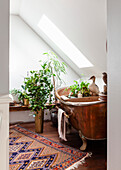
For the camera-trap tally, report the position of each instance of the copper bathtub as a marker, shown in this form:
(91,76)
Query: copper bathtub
(88,115)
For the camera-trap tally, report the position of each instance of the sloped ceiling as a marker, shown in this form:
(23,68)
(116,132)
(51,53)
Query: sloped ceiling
(82,21)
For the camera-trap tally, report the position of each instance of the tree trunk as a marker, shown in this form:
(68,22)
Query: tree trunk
(39,118)
(54,89)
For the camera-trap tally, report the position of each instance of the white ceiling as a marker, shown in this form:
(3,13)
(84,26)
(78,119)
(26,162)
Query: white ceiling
(83,22)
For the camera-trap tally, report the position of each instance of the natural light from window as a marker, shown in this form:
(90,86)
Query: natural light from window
(64,44)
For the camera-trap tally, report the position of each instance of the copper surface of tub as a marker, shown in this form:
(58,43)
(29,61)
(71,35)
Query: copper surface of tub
(88,114)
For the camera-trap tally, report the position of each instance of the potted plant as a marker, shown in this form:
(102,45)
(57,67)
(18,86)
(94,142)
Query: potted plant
(85,89)
(39,86)
(79,88)
(56,69)
(74,89)
(15,93)
(24,98)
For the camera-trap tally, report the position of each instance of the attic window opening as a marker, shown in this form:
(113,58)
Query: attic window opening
(63,43)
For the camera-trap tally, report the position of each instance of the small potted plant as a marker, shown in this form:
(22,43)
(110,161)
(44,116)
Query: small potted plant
(74,89)
(15,93)
(38,86)
(24,98)
(77,88)
(85,89)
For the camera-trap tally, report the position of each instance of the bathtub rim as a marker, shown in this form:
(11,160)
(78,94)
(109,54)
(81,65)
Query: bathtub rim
(72,103)
(82,103)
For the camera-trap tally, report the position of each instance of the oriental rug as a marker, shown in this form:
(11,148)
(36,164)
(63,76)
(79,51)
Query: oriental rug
(29,150)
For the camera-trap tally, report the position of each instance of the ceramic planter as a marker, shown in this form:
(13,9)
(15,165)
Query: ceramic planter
(39,118)
(15,98)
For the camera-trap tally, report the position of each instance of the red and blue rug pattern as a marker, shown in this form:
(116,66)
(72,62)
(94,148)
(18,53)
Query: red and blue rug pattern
(32,151)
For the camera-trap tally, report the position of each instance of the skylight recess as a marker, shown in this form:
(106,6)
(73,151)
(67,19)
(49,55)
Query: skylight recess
(64,44)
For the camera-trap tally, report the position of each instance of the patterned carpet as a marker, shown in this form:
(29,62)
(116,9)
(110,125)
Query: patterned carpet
(31,151)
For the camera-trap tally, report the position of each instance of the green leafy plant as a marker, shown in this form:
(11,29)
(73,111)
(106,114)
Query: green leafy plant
(23,95)
(15,91)
(56,68)
(15,94)
(75,88)
(38,86)
(82,87)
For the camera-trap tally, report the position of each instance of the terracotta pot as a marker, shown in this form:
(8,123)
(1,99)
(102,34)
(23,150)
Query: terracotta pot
(26,102)
(39,118)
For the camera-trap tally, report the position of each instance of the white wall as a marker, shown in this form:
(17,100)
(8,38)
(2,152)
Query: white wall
(4,132)
(83,22)
(114,85)
(26,49)
(15,6)
(4,84)
(4,57)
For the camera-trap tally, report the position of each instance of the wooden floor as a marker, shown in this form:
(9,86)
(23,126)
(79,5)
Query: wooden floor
(98,148)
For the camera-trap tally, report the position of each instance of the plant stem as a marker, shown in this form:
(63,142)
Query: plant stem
(54,87)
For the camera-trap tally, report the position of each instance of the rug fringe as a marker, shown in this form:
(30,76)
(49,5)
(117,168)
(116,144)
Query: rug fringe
(12,126)
(80,162)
